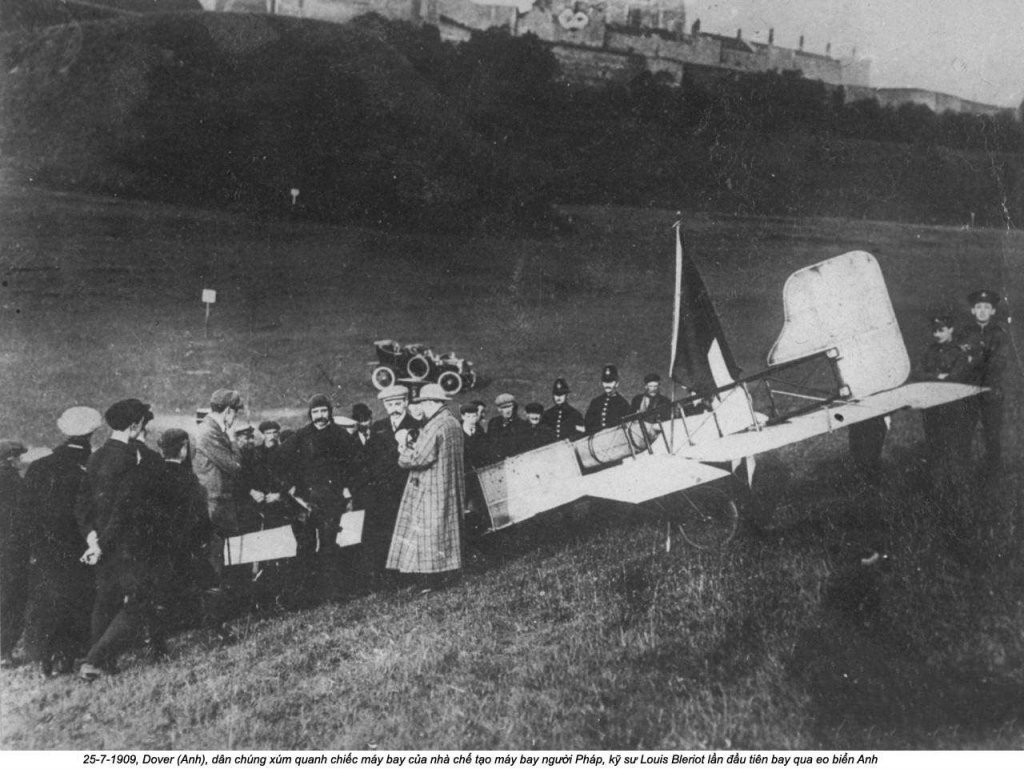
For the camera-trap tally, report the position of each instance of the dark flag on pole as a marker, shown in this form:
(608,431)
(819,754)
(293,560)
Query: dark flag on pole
(701,358)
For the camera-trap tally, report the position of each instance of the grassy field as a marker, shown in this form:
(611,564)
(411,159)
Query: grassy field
(576,630)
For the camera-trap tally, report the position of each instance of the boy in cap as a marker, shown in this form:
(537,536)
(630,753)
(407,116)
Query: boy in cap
(62,587)
(427,538)
(609,409)
(534,434)
(15,554)
(562,419)
(504,430)
(986,344)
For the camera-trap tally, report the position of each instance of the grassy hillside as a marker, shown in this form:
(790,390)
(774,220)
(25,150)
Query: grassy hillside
(577,629)
(235,110)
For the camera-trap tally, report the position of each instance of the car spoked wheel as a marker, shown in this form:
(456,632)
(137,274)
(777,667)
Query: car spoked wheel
(382,376)
(418,367)
(450,382)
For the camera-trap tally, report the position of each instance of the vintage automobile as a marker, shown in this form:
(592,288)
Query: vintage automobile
(420,363)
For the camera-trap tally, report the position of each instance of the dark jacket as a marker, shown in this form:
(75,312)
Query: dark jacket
(477,449)
(606,411)
(52,486)
(659,407)
(988,350)
(320,463)
(939,358)
(531,437)
(504,436)
(564,420)
(14,542)
(95,509)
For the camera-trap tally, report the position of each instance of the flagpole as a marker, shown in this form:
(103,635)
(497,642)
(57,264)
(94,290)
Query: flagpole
(676,310)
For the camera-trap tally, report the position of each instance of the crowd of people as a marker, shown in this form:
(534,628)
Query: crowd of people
(110,548)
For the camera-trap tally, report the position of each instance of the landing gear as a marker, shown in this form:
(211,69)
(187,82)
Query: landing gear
(706,516)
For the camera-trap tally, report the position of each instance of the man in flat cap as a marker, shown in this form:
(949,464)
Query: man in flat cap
(319,457)
(610,408)
(564,420)
(218,465)
(103,521)
(386,478)
(62,588)
(987,346)
(267,483)
(504,430)
(651,402)
(534,432)
(427,539)
(13,551)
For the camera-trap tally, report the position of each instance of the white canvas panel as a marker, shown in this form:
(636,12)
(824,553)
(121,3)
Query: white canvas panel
(843,303)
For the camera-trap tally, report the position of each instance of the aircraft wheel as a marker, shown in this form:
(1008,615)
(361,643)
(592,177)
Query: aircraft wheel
(450,382)
(706,516)
(418,367)
(382,376)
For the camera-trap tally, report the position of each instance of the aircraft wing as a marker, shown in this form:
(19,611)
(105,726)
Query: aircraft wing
(648,477)
(827,419)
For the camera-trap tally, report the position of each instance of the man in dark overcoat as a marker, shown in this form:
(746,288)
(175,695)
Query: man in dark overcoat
(386,479)
(62,589)
(102,521)
(504,431)
(143,552)
(319,457)
(14,554)
(534,433)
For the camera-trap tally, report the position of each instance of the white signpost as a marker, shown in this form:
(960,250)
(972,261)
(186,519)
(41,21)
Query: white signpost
(209,297)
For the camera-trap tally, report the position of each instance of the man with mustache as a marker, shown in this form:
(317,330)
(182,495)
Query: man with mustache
(319,457)
(386,479)
(609,409)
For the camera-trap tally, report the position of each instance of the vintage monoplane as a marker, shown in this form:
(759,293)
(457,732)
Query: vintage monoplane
(839,361)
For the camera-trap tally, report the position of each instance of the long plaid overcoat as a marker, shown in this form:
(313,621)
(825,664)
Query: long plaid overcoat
(427,538)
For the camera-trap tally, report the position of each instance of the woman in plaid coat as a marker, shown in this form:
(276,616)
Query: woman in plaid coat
(426,538)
